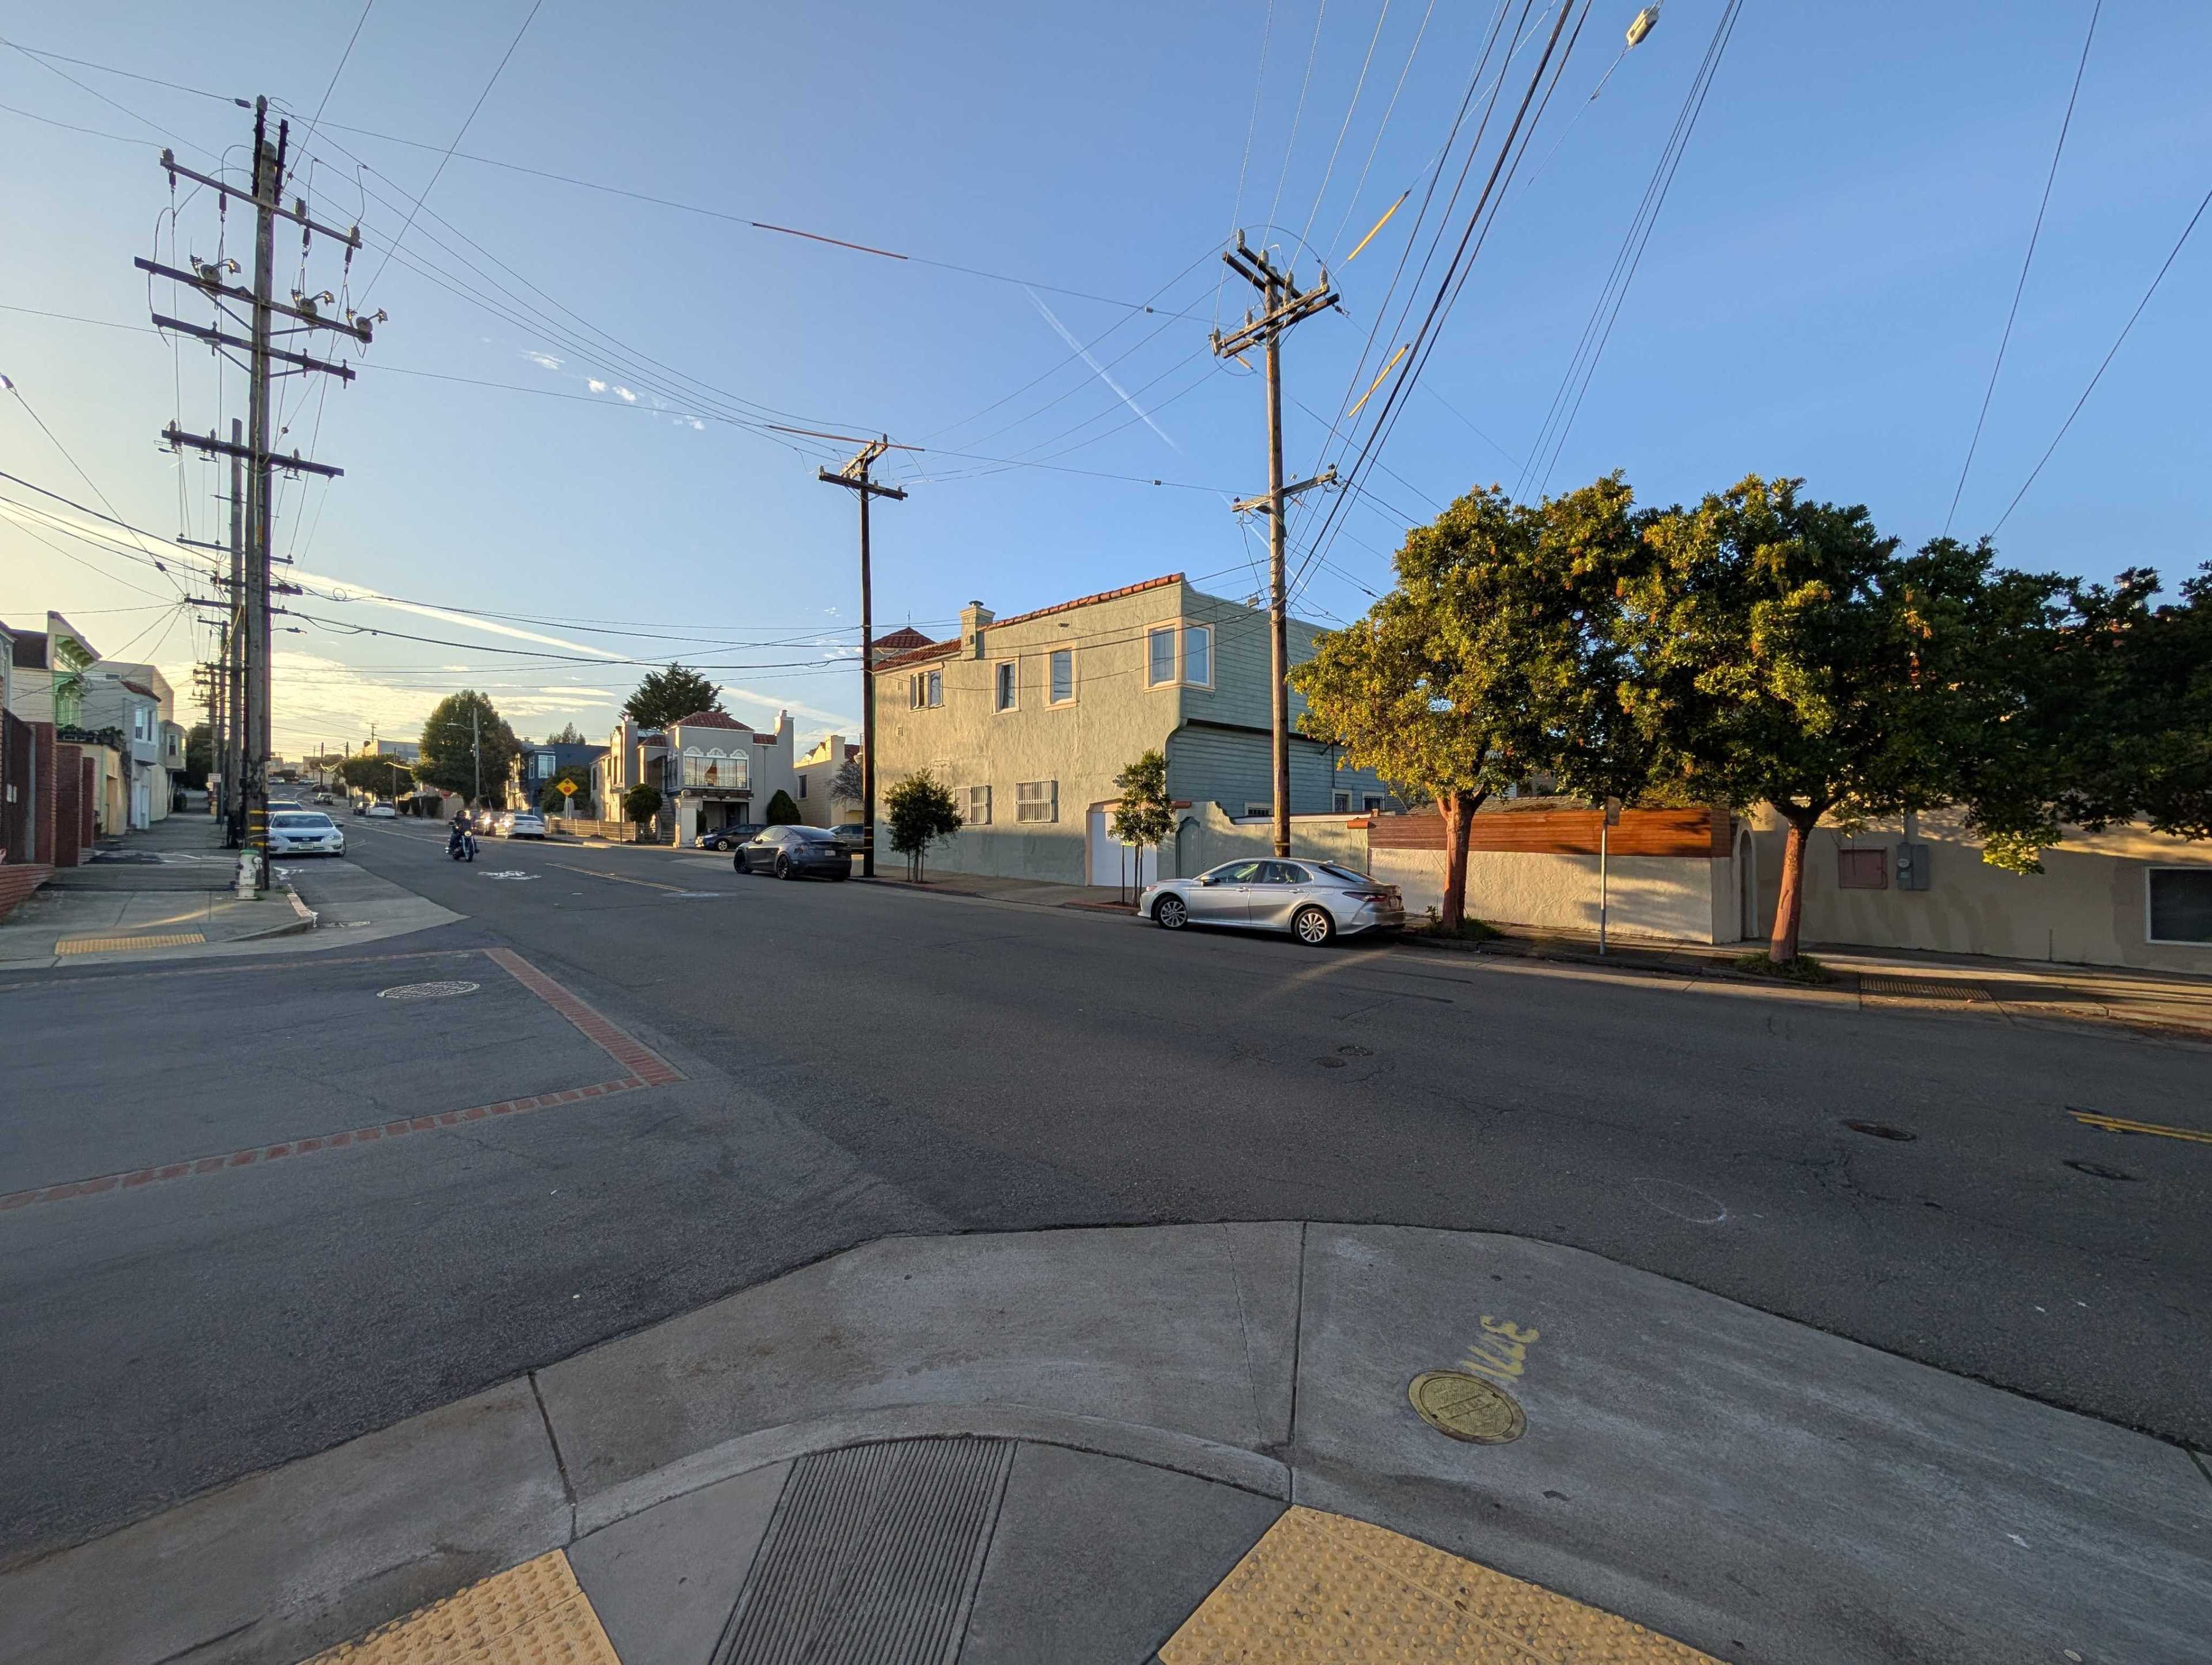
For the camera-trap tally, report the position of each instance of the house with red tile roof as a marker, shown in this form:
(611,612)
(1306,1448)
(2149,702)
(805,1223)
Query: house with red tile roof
(1028,719)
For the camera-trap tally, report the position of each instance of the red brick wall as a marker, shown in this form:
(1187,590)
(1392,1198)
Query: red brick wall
(88,798)
(18,880)
(44,806)
(69,807)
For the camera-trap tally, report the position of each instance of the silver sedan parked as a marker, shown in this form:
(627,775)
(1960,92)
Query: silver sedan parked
(1314,901)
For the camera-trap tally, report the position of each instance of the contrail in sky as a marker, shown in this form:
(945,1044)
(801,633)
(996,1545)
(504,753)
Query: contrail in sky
(1098,368)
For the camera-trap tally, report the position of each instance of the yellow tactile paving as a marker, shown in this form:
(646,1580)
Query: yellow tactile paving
(124,945)
(1323,1589)
(532,1614)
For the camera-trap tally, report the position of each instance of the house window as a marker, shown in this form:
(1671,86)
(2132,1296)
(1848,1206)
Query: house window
(2180,904)
(1197,655)
(1036,800)
(924,688)
(1340,802)
(802,787)
(936,680)
(1002,685)
(1862,870)
(1371,803)
(978,810)
(1063,677)
(1159,657)
(137,722)
(1251,809)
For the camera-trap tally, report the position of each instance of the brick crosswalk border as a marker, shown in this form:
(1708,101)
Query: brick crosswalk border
(644,1068)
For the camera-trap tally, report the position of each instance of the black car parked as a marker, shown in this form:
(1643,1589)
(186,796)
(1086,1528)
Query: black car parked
(794,853)
(729,837)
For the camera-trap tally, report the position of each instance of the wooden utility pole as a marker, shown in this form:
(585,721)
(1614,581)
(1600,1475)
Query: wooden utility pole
(854,477)
(257,459)
(1282,304)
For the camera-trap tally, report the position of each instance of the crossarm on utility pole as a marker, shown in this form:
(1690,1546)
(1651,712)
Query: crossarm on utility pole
(297,215)
(360,328)
(176,436)
(220,339)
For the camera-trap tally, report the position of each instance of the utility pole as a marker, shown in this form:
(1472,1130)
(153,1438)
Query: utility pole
(1282,304)
(475,747)
(854,477)
(255,458)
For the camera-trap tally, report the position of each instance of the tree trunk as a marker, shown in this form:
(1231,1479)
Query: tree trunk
(1458,809)
(1789,906)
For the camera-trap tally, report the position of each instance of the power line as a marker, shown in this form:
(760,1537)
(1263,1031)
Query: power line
(2104,365)
(343,58)
(1351,109)
(1383,127)
(1297,114)
(2027,260)
(439,171)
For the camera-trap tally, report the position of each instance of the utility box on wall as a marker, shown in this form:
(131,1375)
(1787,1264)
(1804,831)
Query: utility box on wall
(1911,866)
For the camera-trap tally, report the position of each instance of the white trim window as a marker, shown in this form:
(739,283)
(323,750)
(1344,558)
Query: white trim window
(925,688)
(2178,905)
(1006,685)
(1059,677)
(976,806)
(1036,800)
(1160,657)
(1179,655)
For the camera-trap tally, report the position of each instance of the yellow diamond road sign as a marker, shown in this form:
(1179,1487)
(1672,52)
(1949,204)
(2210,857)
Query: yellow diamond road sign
(567,788)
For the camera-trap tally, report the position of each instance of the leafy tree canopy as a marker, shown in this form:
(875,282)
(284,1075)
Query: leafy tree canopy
(664,696)
(781,811)
(465,730)
(846,785)
(921,811)
(642,803)
(569,736)
(1144,815)
(381,777)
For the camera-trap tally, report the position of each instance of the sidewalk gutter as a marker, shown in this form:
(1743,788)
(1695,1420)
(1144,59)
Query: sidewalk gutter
(1753,1487)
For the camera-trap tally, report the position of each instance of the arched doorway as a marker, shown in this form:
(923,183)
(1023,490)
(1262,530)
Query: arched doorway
(1746,885)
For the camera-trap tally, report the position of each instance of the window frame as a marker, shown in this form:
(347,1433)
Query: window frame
(2170,942)
(1340,802)
(968,816)
(934,689)
(1373,803)
(1050,699)
(1182,656)
(1006,686)
(1049,803)
(1172,630)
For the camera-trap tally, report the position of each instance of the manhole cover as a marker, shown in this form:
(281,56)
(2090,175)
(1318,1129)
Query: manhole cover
(1351,1051)
(2098,1170)
(1882,1130)
(1330,1063)
(1466,1408)
(426,991)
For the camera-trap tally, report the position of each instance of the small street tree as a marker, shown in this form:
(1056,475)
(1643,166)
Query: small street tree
(1493,659)
(1144,817)
(846,784)
(466,742)
(664,696)
(1782,653)
(199,754)
(921,812)
(641,803)
(781,811)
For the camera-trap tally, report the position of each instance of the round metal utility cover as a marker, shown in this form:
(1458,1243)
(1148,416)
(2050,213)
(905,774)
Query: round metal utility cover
(426,991)
(1466,1408)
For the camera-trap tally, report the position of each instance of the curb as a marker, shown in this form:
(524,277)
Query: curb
(303,920)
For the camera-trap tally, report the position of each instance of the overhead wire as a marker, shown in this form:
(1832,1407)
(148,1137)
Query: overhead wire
(2027,260)
(1383,127)
(1351,109)
(1297,114)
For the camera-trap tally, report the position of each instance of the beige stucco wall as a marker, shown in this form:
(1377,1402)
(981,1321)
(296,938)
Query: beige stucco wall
(1082,745)
(814,772)
(1678,898)
(2088,906)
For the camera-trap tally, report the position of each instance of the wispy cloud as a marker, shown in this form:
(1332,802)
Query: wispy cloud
(1098,369)
(627,397)
(595,384)
(542,361)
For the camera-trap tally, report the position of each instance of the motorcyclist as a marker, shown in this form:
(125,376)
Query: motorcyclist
(459,842)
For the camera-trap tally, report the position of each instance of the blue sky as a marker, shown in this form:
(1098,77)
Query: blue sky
(1822,296)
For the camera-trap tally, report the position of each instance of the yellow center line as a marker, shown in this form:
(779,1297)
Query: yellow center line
(615,878)
(2113,1124)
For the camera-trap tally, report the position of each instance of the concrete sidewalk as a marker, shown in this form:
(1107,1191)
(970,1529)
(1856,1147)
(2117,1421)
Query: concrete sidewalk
(1287,1442)
(80,927)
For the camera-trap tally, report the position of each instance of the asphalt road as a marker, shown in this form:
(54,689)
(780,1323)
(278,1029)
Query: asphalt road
(862,1060)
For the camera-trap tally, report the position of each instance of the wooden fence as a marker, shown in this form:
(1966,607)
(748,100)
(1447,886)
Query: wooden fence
(1702,833)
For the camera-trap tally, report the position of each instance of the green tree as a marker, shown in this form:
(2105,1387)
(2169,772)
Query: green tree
(1494,659)
(921,812)
(1144,817)
(664,696)
(1782,651)
(569,736)
(380,777)
(199,754)
(641,803)
(465,731)
(846,785)
(781,811)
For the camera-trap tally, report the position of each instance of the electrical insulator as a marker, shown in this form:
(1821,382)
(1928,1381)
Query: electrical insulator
(1640,25)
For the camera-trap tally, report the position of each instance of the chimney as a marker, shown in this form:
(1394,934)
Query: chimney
(973,617)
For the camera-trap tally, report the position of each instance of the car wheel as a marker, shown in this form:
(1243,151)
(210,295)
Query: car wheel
(783,866)
(1170,915)
(1312,927)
